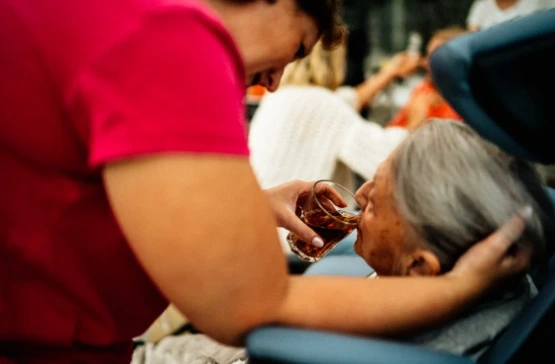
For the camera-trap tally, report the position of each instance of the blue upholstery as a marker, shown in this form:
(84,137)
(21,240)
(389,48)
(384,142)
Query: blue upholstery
(518,339)
(340,265)
(298,346)
(500,81)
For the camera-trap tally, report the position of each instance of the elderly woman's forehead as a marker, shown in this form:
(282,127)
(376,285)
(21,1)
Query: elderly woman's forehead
(384,169)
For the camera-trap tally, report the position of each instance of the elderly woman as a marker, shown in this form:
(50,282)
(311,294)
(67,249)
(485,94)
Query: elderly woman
(441,190)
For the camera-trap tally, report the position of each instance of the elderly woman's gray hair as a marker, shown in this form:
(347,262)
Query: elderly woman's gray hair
(453,188)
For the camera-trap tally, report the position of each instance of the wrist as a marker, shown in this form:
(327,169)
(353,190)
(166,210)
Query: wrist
(465,288)
(386,76)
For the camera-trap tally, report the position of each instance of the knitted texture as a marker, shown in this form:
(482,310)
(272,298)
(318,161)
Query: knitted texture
(308,133)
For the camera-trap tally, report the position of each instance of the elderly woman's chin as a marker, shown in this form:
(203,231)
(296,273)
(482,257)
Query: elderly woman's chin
(358,249)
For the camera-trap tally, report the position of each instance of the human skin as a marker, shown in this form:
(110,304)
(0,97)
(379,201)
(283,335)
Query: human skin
(384,240)
(205,232)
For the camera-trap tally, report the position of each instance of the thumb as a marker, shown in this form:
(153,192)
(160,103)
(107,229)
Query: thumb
(509,233)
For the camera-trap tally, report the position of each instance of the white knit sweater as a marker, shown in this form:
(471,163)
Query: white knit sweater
(310,133)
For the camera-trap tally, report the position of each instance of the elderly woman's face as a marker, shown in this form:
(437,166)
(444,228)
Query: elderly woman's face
(381,233)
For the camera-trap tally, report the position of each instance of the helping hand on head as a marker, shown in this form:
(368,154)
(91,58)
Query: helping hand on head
(496,258)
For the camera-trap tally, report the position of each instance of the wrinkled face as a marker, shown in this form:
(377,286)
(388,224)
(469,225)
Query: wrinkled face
(279,34)
(381,232)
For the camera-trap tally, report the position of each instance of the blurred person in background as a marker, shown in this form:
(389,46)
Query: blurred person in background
(425,100)
(486,13)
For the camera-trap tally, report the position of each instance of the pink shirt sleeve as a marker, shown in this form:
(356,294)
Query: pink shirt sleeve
(176,84)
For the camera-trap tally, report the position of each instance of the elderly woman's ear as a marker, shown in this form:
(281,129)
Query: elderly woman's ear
(422,262)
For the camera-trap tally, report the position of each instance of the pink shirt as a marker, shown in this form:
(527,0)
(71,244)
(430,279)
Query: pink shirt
(85,83)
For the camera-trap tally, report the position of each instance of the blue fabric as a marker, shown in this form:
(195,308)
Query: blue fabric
(299,346)
(551,193)
(520,330)
(340,265)
(345,246)
(342,261)
(500,80)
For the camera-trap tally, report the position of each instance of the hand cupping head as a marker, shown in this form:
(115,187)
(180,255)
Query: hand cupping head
(441,191)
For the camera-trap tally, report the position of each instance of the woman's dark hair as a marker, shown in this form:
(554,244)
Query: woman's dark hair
(327,14)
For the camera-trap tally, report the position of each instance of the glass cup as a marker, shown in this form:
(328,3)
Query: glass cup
(331,210)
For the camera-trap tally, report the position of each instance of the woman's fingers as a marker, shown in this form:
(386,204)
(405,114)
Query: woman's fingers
(497,257)
(330,193)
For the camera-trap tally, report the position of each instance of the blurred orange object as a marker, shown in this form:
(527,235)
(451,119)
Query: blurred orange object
(256,90)
(437,109)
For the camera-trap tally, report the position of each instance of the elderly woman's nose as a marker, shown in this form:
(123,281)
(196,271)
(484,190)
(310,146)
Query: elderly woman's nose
(361,194)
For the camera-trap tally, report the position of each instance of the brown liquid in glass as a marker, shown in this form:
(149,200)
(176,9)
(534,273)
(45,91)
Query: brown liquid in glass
(328,228)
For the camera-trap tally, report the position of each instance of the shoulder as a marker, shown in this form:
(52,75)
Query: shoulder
(481,4)
(94,29)
(177,30)
(325,99)
(478,10)
(306,92)
(308,99)
(201,29)
(164,79)
(183,38)
(302,108)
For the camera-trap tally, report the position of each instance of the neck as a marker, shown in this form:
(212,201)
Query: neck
(229,12)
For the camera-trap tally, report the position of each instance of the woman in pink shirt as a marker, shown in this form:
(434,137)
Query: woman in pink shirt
(126,183)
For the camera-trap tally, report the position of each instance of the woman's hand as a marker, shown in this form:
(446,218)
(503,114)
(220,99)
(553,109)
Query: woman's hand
(497,258)
(284,200)
(402,65)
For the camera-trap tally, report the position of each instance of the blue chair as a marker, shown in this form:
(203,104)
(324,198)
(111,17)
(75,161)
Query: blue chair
(504,74)
(498,79)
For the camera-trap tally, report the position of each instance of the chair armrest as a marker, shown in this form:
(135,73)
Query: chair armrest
(300,346)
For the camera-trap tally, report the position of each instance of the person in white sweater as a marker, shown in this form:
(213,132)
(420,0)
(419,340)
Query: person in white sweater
(310,129)
(486,13)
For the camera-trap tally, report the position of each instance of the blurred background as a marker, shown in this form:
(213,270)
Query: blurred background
(379,29)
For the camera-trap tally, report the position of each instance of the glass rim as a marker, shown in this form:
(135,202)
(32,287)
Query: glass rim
(313,193)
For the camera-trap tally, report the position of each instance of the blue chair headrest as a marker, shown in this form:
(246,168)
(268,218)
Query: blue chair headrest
(501,81)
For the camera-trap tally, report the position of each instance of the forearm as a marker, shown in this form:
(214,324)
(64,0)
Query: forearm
(369,89)
(203,231)
(379,307)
